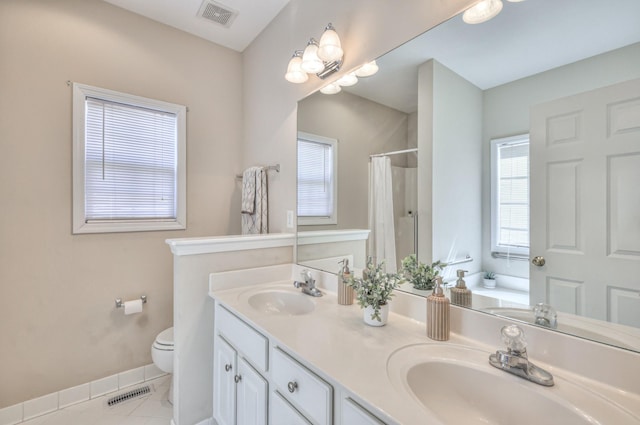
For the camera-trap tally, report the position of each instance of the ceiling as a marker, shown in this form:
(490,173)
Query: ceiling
(526,38)
(252,17)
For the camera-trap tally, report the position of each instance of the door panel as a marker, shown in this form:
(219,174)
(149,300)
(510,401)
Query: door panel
(224,395)
(252,396)
(585,203)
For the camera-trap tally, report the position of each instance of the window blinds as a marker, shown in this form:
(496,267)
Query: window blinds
(315,179)
(513,195)
(130,162)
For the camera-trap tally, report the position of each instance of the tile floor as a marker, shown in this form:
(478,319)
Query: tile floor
(150,409)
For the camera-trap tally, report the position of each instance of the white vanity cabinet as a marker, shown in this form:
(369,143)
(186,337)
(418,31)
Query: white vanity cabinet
(240,391)
(354,414)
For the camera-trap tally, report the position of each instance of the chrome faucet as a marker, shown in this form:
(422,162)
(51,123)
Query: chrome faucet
(545,315)
(515,359)
(309,284)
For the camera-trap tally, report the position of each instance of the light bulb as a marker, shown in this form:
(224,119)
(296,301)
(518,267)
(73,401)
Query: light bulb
(311,63)
(347,80)
(329,48)
(332,88)
(367,70)
(294,73)
(482,11)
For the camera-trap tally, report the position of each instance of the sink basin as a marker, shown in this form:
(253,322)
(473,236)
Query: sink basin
(281,302)
(459,386)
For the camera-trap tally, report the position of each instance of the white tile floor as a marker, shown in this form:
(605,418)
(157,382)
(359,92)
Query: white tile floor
(150,409)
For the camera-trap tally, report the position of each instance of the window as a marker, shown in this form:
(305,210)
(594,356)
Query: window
(317,180)
(129,162)
(510,195)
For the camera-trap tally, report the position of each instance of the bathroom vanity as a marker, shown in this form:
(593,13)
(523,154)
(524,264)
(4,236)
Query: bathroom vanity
(283,357)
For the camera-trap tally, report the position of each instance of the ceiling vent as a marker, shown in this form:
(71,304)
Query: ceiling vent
(218,13)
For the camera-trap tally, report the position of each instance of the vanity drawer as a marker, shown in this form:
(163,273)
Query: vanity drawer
(354,414)
(283,413)
(304,389)
(252,345)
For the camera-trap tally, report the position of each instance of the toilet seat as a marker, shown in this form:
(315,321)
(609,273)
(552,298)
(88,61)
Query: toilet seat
(164,340)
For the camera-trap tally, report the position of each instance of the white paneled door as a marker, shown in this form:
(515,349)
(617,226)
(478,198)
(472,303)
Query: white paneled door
(585,203)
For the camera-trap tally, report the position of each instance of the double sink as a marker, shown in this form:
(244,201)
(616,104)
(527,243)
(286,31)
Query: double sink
(456,384)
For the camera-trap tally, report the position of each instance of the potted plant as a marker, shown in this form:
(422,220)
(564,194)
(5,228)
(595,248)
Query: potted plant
(421,275)
(489,280)
(373,291)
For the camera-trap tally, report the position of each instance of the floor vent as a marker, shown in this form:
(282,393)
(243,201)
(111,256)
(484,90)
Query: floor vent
(129,395)
(218,13)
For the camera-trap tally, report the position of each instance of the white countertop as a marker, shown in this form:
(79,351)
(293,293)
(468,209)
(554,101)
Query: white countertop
(335,343)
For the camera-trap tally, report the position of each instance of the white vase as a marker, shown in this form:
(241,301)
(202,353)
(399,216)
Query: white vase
(489,283)
(384,315)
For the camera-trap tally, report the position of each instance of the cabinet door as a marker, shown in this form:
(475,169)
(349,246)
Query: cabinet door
(224,389)
(251,391)
(283,413)
(354,414)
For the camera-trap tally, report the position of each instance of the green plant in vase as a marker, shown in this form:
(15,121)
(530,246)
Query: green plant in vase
(375,288)
(421,275)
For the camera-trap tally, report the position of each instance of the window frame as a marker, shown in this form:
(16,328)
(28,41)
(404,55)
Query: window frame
(80,224)
(495,247)
(320,220)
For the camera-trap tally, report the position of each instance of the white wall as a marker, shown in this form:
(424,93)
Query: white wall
(455,141)
(506,113)
(58,323)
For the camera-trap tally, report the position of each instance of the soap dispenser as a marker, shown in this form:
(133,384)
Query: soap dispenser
(460,294)
(345,292)
(438,313)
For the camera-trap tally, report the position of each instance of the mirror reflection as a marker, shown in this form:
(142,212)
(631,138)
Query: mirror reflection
(514,148)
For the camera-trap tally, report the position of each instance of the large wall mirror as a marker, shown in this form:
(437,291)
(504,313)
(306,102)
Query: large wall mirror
(512,147)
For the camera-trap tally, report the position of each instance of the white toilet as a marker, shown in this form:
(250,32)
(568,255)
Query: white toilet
(162,355)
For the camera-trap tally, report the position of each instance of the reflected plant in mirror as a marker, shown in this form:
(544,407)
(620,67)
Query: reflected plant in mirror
(558,98)
(422,276)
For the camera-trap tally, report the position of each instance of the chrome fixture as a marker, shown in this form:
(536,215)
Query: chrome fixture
(321,58)
(309,284)
(515,359)
(545,315)
(120,303)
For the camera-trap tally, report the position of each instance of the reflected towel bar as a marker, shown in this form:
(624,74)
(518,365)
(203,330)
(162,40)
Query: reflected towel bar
(466,259)
(268,168)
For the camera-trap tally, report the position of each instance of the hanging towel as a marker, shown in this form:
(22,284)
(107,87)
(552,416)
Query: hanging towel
(249,190)
(256,221)
(382,241)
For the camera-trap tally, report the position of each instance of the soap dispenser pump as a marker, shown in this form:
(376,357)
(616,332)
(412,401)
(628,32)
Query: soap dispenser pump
(345,292)
(460,294)
(438,313)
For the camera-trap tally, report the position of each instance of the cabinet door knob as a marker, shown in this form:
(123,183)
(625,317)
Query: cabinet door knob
(538,261)
(237,378)
(292,386)
(227,367)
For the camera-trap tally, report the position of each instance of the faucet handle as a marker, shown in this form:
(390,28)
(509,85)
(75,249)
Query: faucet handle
(513,337)
(545,315)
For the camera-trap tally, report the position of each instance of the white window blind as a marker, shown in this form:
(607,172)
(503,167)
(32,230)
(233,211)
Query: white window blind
(511,194)
(316,180)
(129,162)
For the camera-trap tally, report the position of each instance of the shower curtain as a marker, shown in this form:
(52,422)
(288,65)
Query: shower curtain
(382,245)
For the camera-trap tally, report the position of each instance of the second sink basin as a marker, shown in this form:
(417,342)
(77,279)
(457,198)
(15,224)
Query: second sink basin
(274,301)
(458,385)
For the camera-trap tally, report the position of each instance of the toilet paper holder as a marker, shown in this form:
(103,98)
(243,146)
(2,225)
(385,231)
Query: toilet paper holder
(120,303)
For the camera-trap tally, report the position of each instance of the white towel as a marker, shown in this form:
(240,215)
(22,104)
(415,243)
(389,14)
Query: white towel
(258,221)
(249,190)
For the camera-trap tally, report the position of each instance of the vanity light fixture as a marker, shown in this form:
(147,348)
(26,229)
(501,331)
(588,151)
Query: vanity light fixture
(322,59)
(367,70)
(347,80)
(331,88)
(484,10)
(295,74)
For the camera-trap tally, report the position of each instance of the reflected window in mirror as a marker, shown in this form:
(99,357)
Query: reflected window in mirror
(510,195)
(317,180)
